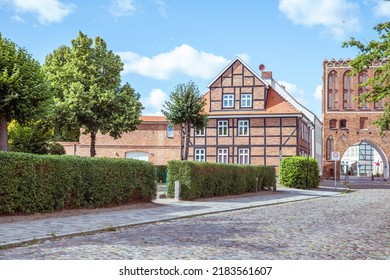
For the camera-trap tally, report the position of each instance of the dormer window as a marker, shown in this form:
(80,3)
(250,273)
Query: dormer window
(228,100)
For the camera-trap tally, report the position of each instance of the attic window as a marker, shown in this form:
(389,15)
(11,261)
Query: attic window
(228,100)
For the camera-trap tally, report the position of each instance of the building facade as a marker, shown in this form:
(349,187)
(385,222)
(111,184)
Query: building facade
(252,120)
(348,123)
(155,140)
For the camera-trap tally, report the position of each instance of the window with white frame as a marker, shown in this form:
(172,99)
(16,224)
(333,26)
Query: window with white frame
(170,131)
(228,100)
(223,128)
(243,156)
(200,132)
(246,100)
(200,155)
(243,127)
(223,156)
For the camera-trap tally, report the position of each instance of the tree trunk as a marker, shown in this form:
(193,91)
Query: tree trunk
(93,142)
(3,133)
(186,141)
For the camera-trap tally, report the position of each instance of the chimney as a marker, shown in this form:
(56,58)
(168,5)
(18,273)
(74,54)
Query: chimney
(266,75)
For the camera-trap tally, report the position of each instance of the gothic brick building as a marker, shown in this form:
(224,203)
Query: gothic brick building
(347,123)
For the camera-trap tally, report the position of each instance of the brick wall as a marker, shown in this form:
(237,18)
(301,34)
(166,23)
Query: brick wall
(359,121)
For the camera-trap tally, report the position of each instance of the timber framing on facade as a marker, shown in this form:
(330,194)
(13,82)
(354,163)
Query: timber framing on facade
(347,122)
(252,120)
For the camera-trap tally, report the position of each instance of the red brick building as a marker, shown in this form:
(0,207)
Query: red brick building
(252,120)
(154,140)
(346,122)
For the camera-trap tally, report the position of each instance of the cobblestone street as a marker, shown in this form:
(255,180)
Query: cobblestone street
(355,225)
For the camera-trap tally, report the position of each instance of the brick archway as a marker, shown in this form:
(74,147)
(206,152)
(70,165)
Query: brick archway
(342,144)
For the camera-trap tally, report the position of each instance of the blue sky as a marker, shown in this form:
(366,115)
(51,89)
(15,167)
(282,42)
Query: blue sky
(167,42)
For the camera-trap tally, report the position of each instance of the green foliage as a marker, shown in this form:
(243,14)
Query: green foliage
(203,179)
(56,148)
(36,183)
(186,108)
(23,87)
(379,84)
(87,92)
(294,171)
(30,138)
(161,173)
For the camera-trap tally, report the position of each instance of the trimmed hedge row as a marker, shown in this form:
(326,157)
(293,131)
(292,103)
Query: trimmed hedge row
(203,179)
(294,171)
(36,183)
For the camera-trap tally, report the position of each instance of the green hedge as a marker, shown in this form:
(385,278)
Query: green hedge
(35,183)
(202,179)
(294,170)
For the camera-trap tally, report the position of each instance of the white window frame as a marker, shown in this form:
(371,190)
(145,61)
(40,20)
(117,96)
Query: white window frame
(170,131)
(224,126)
(228,100)
(200,155)
(223,155)
(243,127)
(243,156)
(246,100)
(200,132)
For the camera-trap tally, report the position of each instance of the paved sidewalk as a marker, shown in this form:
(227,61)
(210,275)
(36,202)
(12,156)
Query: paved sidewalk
(20,232)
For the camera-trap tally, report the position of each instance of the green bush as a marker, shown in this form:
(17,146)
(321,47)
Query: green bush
(36,183)
(295,170)
(201,180)
(56,148)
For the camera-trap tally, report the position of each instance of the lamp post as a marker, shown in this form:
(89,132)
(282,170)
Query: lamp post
(308,155)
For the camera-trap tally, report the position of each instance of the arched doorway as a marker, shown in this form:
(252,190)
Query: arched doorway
(365,158)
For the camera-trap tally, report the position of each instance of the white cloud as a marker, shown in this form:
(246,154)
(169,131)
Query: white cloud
(19,19)
(381,8)
(318,92)
(120,8)
(162,8)
(294,91)
(154,102)
(183,59)
(339,17)
(47,11)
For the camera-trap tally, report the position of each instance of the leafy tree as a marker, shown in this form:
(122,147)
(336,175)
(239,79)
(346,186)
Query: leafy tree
(31,138)
(87,90)
(380,83)
(186,108)
(23,87)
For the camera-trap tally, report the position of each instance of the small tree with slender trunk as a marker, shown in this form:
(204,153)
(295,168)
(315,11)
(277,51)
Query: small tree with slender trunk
(186,108)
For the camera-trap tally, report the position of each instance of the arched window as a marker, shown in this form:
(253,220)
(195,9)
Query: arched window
(333,99)
(329,148)
(378,104)
(363,78)
(348,90)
